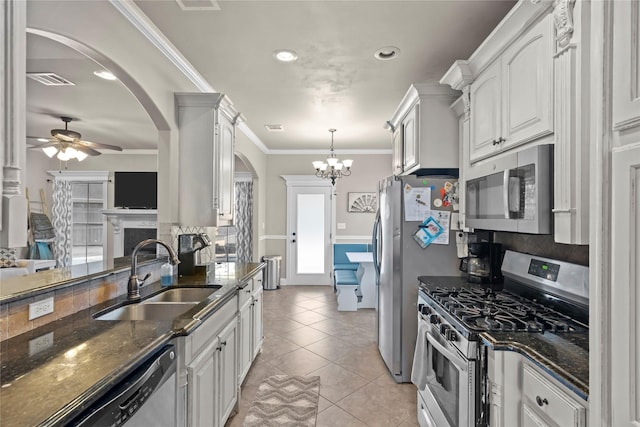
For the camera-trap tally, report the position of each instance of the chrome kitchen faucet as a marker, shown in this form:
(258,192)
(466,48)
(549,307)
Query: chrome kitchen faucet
(133,286)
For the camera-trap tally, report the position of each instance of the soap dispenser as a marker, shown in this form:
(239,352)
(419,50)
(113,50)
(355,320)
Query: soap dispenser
(166,274)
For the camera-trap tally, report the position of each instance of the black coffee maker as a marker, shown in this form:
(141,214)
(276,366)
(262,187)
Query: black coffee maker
(484,262)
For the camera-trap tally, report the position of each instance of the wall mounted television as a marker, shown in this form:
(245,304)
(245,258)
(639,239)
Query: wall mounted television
(135,190)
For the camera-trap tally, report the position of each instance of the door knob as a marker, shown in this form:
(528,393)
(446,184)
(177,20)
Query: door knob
(293,241)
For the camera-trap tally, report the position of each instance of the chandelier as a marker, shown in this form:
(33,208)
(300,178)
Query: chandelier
(333,168)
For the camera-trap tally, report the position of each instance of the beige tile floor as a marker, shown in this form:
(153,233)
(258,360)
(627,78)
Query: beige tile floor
(305,334)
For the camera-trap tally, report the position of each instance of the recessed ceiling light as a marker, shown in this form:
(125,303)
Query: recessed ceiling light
(105,75)
(386,53)
(285,55)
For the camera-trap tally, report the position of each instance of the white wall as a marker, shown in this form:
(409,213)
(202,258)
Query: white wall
(367,170)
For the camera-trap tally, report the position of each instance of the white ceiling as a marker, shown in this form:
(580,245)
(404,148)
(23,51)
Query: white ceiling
(336,82)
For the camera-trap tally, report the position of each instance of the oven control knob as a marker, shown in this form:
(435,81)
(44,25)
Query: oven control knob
(425,310)
(434,319)
(420,306)
(444,329)
(451,335)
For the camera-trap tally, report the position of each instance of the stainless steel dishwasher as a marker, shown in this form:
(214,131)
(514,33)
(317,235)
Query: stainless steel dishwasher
(146,397)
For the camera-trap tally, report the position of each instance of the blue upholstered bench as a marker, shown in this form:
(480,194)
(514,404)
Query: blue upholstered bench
(346,276)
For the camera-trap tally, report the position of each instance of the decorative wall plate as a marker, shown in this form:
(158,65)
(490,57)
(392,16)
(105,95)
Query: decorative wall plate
(362,202)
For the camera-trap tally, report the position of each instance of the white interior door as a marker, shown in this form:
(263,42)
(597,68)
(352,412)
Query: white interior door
(309,231)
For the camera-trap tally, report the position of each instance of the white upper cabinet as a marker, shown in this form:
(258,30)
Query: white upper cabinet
(512,99)
(397,152)
(485,120)
(425,130)
(527,79)
(207,124)
(224,195)
(410,132)
(626,66)
(527,84)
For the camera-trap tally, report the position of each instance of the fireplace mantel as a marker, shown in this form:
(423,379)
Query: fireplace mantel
(129,218)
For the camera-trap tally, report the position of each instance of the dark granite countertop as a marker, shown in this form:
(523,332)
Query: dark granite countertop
(20,287)
(48,375)
(565,356)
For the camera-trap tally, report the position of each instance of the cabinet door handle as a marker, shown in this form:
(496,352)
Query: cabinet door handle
(541,401)
(224,343)
(501,139)
(248,291)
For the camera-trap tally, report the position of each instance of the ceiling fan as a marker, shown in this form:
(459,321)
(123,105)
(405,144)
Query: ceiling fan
(67,145)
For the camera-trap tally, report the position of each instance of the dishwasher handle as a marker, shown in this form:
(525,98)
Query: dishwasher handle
(127,397)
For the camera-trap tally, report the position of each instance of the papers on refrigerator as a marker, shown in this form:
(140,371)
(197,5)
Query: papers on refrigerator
(444,219)
(428,232)
(417,203)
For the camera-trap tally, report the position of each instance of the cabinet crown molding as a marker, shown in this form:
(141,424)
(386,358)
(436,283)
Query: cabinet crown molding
(210,100)
(459,75)
(414,94)
(524,14)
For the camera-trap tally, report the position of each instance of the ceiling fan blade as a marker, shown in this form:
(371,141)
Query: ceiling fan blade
(99,145)
(86,150)
(45,145)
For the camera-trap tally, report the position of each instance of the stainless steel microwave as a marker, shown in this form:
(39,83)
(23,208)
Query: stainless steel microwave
(512,192)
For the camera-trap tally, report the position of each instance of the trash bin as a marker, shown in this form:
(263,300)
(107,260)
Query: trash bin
(272,272)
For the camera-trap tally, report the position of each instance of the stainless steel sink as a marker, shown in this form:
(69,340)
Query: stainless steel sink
(181,295)
(156,311)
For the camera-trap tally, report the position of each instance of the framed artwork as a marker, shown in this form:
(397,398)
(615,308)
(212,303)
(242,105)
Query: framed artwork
(362,202)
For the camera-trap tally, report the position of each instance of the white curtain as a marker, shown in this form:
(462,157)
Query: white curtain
(243,221)
(62,212)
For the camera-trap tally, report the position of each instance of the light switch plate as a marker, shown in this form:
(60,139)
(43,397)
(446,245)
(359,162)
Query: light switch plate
(342,226)
(40,308)
(43,342)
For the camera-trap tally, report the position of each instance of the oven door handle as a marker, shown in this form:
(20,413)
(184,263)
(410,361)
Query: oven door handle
(450,355)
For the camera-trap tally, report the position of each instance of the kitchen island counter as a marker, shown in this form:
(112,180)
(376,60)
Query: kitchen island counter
(50,374)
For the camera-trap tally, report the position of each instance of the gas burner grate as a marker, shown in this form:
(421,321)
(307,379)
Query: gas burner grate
(490,310)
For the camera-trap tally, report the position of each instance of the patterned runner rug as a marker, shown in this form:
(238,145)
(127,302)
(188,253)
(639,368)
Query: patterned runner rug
(285,400)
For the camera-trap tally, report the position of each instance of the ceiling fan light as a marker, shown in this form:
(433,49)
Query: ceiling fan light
(50,151)
(71,152)
(63,155)
(81,156)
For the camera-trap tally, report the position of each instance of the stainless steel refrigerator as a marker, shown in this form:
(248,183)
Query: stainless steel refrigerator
(399,260)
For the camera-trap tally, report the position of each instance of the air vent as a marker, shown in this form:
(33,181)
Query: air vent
(196,5)
(274,128)
(50,79)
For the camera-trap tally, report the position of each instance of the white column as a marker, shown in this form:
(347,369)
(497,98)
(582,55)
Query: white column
(13,19)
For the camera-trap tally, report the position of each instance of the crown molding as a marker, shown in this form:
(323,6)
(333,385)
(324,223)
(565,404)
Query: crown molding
(144,25)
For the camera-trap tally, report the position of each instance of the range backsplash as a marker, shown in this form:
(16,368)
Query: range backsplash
(544,246)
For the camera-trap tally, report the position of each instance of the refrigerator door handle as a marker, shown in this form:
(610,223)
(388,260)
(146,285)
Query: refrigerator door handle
(374,242)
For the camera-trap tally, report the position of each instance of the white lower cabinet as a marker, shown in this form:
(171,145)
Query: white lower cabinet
(246,333)
(256,320)
(250,321)
(209,357)
(522,394)
(546,404)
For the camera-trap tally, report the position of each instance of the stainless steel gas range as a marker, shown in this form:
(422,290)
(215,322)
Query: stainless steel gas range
(539,296)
